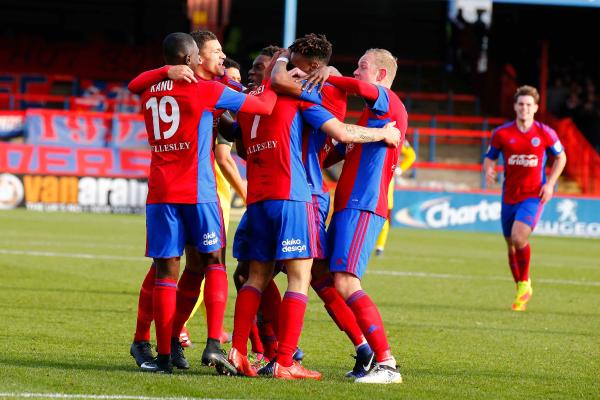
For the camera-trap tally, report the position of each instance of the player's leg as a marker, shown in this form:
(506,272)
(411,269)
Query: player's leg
(508,213)
(165,243)
(188,291)
(246,307)
(296,245)
(258,226)
(323,284)
(354,238)
(140,349)
(526,218)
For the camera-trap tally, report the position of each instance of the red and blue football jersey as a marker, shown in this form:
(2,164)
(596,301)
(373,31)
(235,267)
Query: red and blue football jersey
(369,167)
(273,147)
(179,123)
(333,100)
(525,158)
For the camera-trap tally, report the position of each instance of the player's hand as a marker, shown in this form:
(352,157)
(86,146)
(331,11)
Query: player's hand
(546,192)
(280,53)
(316,77)
(297,74)
(490,176)
(181,73)
(392,134)
(398,171)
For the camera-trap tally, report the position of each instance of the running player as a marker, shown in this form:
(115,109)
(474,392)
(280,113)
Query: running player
(523,144)
(182,204)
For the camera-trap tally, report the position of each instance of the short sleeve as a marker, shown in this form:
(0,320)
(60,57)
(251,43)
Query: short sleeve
(316,115)
(230,99)
(382,105)
(553,143)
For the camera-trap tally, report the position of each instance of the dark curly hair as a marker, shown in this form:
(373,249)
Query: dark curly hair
(313,46)
(231,63)
(269,51)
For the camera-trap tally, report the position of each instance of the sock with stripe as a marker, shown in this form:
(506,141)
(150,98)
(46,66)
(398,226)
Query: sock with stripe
(145,309)
(337,308)
(370,323)
(246,306)
(215,299)
(291,318)
(188,290)
(163,301)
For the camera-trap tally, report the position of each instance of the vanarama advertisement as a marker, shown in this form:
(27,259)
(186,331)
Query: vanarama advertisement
(562,216)
(71,193)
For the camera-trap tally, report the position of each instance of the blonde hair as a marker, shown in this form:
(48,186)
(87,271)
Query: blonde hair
(527,91)
(385,59)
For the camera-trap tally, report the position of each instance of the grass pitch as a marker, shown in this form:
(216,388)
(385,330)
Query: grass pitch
(69,285)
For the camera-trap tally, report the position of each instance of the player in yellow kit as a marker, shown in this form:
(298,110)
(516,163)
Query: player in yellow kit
(408,158)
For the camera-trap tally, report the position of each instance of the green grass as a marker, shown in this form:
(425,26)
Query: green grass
(67,320)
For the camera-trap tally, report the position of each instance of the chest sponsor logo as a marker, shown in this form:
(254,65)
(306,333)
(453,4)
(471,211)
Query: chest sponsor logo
(292,246)
(535,142)
(523,160)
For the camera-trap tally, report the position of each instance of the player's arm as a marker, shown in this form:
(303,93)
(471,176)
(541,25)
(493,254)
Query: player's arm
(560,160)
(319,118)
(260,101)
(229,167)
(348,133)
(285,83)
(491,156)
(367,91)
(149,78)
(408,158)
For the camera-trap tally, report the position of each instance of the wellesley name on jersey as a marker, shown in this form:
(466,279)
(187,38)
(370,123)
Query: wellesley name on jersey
(269,144)
(170,147)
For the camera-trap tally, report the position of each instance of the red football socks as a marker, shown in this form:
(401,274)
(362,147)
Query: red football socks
(246,306)
(337,308)
(256,343)
(269,339)
(370,323)
(215,299)
(163,301)
(188,290)
(145,313)
(270,304)
(291,318)
(523,257)
(514,265)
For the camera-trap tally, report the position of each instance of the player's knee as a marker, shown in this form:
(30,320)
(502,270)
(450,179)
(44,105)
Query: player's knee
(240,275)
(344,284)
(518,240)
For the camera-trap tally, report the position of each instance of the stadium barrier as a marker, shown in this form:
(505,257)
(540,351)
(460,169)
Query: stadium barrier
(583,162)
(573,216)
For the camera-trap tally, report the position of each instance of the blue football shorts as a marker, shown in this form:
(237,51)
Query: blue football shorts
(280,230)
(170,227)
(320,212)
(527,211)
(352,235)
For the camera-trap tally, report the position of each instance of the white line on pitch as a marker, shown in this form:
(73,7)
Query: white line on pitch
(70,255)
(389,273)
(477,277)
(92,396)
